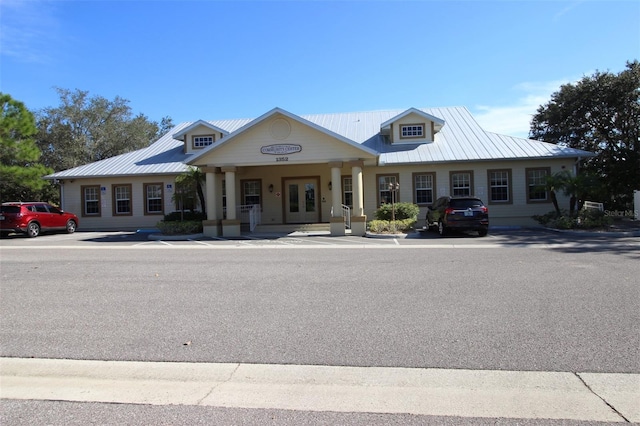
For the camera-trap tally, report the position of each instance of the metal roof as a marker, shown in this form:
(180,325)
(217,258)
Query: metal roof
(460,139)
(279,111)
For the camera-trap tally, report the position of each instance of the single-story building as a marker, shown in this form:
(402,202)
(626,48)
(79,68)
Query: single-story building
(337,169)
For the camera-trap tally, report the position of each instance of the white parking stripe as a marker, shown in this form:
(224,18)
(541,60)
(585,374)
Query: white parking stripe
(420,391)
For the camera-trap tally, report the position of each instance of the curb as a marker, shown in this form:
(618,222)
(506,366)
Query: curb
(602,397)
(385,236)
(635,233)
(161,237)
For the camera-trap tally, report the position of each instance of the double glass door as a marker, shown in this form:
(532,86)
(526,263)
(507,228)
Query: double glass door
(301,201)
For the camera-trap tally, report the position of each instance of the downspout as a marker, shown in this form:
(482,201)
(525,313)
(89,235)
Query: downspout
(61,194)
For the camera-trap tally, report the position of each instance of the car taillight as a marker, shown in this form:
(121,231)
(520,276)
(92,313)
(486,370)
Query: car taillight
(484,209)
(449,210)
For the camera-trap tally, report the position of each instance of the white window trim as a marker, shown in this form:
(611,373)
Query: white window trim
(202,141)
(412,131)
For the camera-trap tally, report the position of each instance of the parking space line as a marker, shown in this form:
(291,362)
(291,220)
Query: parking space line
(350,240)
(200,242)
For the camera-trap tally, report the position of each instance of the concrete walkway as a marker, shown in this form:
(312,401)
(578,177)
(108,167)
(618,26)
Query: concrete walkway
(466,393)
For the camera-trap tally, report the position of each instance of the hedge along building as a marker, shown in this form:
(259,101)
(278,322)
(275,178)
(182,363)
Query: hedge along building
(281,168)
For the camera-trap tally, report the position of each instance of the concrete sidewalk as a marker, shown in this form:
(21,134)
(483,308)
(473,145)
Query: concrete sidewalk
(466,393)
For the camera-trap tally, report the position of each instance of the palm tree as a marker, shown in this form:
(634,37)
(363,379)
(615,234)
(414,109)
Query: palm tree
(577,188)
(552,185)
(188,186)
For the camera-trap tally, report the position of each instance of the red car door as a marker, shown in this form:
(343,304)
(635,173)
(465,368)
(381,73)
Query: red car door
(43,216)
(55,217)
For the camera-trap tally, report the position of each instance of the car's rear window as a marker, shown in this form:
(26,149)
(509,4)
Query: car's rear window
(465,203)
(10,209)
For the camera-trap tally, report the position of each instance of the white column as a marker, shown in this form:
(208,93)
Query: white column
(358,197)
(210,196)
(230,185)
(336,188)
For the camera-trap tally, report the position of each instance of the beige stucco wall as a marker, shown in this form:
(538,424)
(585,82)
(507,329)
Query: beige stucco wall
(316,146)
(272,202)
(72,201)
(517,213)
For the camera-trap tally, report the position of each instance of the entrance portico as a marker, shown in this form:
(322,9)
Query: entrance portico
(289,169)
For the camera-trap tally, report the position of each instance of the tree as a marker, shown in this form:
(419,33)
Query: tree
(188,186)
(578,188)
(85,129)
(601,114)
(553,184)
(20,170)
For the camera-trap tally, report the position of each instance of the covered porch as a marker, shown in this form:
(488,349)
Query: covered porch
(295,171)
(293,196)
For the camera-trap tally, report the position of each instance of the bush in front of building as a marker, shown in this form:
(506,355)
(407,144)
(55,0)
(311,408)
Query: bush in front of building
(403,211)
(185,215)
(184,227)
(406,215)
(585,219)
(390,226)
(182,223)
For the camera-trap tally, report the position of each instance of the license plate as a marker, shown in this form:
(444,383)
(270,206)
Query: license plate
(468,213)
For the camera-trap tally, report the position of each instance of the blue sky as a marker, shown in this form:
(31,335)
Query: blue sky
(211,60)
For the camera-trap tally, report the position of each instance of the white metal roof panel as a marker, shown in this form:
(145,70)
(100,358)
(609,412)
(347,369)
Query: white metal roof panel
(460,139)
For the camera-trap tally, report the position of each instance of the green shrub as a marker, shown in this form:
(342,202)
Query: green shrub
(187,215)
(562,222)
(185,227)
(585,219)
(544,219)
(390,227)
(590,218)
(403,211)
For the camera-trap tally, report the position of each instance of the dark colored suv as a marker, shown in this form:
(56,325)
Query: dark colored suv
(458,213)
(32,218)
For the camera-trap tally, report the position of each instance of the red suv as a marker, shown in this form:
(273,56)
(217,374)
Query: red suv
(31,218)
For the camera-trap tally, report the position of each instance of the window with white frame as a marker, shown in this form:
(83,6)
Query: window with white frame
(91,200)
(347,191)
(423,187)
(202,141)
(387,189)
(411,131)
(461,184)
(499,186)
(154,200)
(536,184)
(251,192)
(122,200)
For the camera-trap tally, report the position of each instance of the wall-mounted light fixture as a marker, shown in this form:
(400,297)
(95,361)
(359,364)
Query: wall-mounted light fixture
(330,186)
(271,188)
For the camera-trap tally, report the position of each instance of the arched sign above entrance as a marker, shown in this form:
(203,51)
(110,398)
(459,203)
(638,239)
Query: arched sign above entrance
(280,149)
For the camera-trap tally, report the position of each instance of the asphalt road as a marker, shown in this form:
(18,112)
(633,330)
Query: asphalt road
(511,302)
(547,309)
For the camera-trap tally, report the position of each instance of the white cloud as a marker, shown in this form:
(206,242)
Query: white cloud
(566,10)
(28,30)
(514,118)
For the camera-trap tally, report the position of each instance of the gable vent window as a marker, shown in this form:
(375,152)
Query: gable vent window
(202,141)
(412,131)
